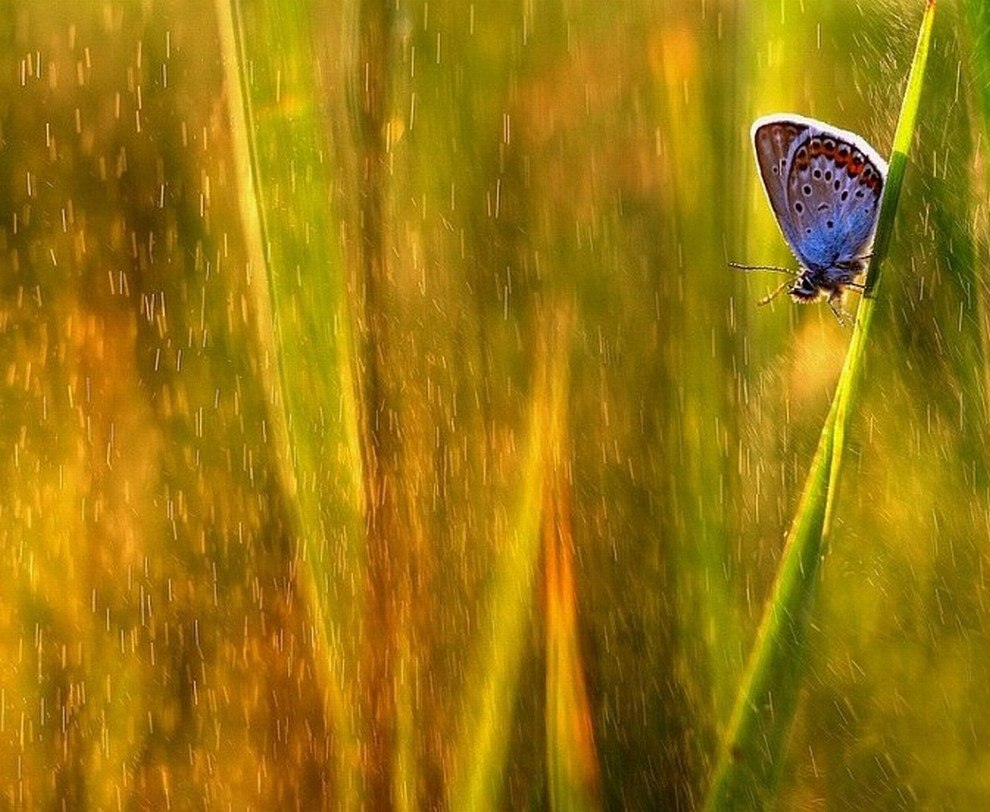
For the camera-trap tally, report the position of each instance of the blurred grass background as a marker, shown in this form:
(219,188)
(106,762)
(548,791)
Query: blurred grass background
(381,426)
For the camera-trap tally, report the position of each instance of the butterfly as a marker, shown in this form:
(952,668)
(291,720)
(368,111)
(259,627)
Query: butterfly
(824,186)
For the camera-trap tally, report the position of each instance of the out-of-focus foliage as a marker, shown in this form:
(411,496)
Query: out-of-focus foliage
(328,330)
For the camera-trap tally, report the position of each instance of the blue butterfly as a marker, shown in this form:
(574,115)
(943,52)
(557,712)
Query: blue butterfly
(824,186)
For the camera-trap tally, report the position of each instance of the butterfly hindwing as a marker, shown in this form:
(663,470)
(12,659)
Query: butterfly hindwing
(833,193)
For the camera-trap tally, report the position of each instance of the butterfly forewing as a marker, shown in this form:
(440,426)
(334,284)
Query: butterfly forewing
(773,139)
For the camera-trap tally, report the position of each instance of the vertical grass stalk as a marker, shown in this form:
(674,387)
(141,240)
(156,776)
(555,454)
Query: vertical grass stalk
(754,743)
(493,681)
(303,334)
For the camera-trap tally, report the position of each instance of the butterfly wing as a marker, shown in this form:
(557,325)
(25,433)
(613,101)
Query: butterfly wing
(833,188)
(774,140)
(825,193)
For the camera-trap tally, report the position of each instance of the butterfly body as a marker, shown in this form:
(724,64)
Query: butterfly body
(824,186)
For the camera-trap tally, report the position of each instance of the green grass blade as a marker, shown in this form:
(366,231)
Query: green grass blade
(755,740)
(486,724)
(302,330)
(898,154)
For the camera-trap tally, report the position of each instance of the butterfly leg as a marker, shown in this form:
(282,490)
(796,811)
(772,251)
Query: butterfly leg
(843,316)
(772,294)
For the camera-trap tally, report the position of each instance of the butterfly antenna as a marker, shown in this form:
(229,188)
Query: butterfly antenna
(775,268)
(770,296)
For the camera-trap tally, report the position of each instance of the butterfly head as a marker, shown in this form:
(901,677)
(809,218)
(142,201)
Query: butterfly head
(804,289)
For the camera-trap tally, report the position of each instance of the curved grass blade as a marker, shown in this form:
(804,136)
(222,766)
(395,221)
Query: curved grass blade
(482,748)
(755,740)
(302,331)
